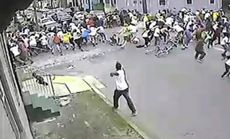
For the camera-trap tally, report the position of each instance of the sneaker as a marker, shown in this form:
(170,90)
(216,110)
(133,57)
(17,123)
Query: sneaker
(134,113)
(183,48)
(199,60)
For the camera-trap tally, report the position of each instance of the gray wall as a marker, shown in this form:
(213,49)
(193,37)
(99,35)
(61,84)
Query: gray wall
(153,5)
(6,131)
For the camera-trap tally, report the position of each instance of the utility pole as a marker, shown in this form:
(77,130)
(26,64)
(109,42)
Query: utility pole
(51,4)
(89,4)
(35,15)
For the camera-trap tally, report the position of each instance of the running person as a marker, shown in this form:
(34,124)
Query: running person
(227,68)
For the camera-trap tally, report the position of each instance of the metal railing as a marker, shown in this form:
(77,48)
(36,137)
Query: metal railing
(31,84)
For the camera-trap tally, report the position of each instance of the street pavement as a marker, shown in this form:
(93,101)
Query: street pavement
(176,97)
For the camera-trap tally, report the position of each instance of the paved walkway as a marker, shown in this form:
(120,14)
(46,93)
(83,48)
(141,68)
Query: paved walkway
(176,96)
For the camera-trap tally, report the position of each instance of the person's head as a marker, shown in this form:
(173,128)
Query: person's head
(34,74)
(118,65)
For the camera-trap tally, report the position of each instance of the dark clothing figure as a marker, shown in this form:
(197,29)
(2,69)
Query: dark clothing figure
(200,50)
(39,79)
(227,70)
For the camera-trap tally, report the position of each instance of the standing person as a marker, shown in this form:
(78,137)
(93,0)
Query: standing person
(227,68)
(156,35)
(225,44)
(101,32)
(57,44)
(66,40)
(147,37)
(24,51)
(16,53)
(188,37)
(208,39)
(122,88)
(77,37)
(200,50)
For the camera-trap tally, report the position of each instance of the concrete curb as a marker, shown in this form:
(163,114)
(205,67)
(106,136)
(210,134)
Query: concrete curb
(129,122)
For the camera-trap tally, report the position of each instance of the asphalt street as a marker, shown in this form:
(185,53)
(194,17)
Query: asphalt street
(176,97)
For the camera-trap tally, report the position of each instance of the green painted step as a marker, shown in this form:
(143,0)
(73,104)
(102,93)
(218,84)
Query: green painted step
(39,115)
(44,103)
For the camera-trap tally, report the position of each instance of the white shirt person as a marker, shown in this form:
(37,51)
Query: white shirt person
(122,88)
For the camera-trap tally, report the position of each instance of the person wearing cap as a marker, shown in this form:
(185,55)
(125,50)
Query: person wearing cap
(122,88)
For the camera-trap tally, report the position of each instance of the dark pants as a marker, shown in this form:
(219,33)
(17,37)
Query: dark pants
(201,53)
(125,93)
(78,42)
(216,37)
(147,40)
(157,41)
(210,44)
(227,70)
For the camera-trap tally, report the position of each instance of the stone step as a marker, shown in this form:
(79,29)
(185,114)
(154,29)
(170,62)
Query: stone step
(44,103)
(39,115)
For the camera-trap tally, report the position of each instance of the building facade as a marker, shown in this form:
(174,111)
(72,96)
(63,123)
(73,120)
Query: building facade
(14,121)
(152,6)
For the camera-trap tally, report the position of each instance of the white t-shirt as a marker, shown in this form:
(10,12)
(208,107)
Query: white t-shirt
(44,40)
(133,28)
(77,34)
(121,82)
(156,32)
(206,16)
(15,50)
(228,62)
(101,29)
(151,26)
(60,35)
(224,41)
(33,42)
(169,21)
(178,28)
(93,31)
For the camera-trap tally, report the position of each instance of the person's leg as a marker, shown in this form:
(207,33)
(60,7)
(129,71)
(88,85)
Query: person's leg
(146,42)
(129,101)
(59,48)
(164,36)
(156,41)
(72,44)
(202,55)
(227,68)
(209,43)
(197,54)
(18,59)
(218,37)
(28,58)
(78,42)
(116,96)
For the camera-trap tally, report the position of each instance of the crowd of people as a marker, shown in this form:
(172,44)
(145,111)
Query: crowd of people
(206,27)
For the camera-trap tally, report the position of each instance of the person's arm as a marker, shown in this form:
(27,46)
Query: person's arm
(114,74)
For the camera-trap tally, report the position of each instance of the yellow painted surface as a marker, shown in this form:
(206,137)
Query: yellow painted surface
(60,90)
(93,81)
(63,85)
(74,83)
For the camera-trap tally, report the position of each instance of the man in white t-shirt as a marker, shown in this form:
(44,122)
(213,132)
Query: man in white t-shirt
(16,53)
(156,35)
(122,88)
